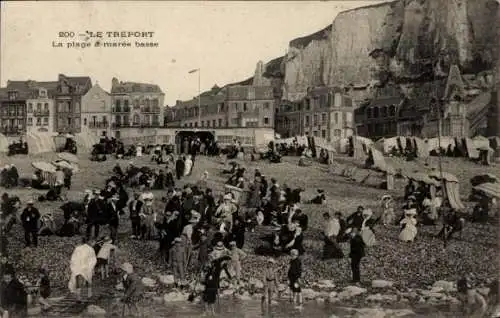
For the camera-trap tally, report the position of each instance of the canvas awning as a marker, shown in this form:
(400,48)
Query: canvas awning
(44,166)
(446,176)
(489,189)
(68,157)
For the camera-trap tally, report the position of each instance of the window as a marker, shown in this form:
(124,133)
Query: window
(315,133)
(308,104)
(338,100)
(39,121)
(323,133)
(337,133)
(234,121)
(85,121)
(30,107)
(336,118)
(118,105)
(266,121)
(39,107)
(368,113)
(323,119)
(220,122)
(375,112)
(147,103)
(245,108)
(104,119)
(384,111)
(202,123)
(125,105)
(213,123)
(196,124)
(235,106)
(208,123)
(155,102)
(315,120)
(392,111)
(30,121)
(307,121)
(43,93)
(45,121)
(136,119)
(46,107)
(137,103)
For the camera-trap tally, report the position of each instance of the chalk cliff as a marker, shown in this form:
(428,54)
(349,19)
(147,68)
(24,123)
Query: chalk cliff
(402,41)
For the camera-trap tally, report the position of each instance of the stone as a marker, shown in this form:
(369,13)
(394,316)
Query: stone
(485,291)
(379,283)
(254,282)
(167,280)
(95,311)
(351,291)
(244,297)
(382,298)
(308,293)
(157,300)
(325,284)
(34,311)
(174,297)
(380,312)
(446,286)
(148,282)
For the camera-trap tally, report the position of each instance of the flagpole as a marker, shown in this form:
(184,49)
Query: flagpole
(199,97)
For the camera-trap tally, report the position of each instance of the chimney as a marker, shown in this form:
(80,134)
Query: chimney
(61,77)
(114,82)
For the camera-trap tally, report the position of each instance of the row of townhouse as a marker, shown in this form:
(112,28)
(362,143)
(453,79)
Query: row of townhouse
(72,104)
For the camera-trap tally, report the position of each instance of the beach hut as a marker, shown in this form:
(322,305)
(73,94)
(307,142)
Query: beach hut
(451,188)
(4,143)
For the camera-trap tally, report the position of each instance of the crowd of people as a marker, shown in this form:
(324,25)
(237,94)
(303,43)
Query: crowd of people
(193,218)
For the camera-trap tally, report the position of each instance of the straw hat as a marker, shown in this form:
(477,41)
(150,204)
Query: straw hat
(219,246)
(127,267)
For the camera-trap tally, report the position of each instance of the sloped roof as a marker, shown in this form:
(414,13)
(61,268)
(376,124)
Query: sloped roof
(135,87)
(242,92)
(478,104)
(81,83)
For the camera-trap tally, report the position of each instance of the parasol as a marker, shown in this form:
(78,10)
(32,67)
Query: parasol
(489,189)
(44,166)
(64,164)
(68,157)
(446,176)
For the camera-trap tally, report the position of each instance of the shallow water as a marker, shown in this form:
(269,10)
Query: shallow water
(232,308)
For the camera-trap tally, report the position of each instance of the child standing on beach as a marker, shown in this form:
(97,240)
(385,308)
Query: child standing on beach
(43,289)
(236,256)
(270,281)
(294,275)
(104,256)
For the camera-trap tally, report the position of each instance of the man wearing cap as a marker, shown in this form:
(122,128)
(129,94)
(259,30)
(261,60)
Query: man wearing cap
(135,208)
(113,217)
(95,214)
(29,219)
(14,299)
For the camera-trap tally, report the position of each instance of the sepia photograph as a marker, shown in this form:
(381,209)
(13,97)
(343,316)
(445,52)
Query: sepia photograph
(250,159)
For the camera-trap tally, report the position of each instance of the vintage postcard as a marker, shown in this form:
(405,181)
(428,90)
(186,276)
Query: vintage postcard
(249,158)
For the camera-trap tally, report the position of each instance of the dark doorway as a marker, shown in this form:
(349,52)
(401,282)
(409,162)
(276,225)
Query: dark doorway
(183,136)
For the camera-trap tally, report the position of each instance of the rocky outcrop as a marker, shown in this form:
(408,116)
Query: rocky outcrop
(401,40)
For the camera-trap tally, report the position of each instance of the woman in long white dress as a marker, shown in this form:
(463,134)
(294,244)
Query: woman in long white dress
(83,261)
(188,164)
(366,231)
(409,223)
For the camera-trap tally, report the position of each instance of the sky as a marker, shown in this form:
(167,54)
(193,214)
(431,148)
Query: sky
(225,40)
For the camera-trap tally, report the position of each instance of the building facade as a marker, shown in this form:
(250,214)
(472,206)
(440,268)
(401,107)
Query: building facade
(137,105)
(68,99)
(239,106)
(41,108)
(96,111)
(13,111)
(325,112)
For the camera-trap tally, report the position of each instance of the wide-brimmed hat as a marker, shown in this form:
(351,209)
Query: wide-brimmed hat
(228,196)
(30,201)
(219,246)
(177,239)
(386,196)
(367,212)
(412,197)
(411,212)
(127,267)
(271,260)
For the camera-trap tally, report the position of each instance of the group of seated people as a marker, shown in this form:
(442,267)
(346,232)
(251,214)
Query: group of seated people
(9,176)
(18,148)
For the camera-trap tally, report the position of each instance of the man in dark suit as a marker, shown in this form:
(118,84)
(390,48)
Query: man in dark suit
(179,168)
(29,219)
(95,215)
(113,217)
(134,209)
(356,254)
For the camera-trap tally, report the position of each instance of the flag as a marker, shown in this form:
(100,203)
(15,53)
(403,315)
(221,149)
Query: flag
(194,71)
